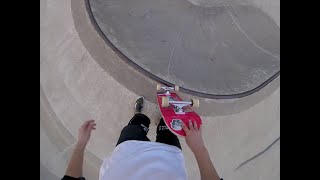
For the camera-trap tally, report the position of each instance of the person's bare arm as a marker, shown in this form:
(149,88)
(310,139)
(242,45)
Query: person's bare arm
(75,164)
(196,144)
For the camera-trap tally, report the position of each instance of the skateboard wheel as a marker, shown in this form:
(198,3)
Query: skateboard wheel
(195,103)
(158,87)
(165,102)
(176,88)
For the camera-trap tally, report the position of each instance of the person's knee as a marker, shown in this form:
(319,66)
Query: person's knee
(139,119)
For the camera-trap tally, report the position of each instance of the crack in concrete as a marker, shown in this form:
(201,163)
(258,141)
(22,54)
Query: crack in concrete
(246,35)
(257,155)
(172,51)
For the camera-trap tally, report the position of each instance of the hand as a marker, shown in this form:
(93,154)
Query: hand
(194,137)
(84,132)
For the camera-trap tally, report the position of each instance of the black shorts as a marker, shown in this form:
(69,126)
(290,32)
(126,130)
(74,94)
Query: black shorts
(65,177)
(138,128)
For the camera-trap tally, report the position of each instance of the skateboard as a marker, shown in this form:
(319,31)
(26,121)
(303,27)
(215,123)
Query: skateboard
(175,111)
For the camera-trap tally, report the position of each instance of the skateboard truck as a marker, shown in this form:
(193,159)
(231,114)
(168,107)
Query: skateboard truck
(174,110)
(167,89)
(178,105)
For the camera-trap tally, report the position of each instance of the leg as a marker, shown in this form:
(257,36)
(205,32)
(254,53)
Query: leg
(137,127)
(164,135)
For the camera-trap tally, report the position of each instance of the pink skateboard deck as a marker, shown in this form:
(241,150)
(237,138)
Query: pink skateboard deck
(173,120)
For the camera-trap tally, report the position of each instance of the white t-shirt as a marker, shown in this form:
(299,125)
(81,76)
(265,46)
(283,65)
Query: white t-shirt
(145,160)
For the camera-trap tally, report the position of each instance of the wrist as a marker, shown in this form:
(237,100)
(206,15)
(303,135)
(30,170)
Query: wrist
(200,150)
(80,145)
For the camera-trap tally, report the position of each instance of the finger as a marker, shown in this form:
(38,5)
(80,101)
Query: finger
(195,125)
(91,121)
(185,128)
(85,124)
(191,126)
(91,125)
(94,126)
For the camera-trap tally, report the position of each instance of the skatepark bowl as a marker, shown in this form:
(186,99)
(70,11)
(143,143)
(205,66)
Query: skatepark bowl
(98,56)
(218,49)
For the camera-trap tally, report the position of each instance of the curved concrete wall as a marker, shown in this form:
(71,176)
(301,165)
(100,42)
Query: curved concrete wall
(75,87)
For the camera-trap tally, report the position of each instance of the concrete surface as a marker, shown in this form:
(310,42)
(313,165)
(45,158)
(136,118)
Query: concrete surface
(209,47)
(76,85)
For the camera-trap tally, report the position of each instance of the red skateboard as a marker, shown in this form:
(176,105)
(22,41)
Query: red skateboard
(175,111)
